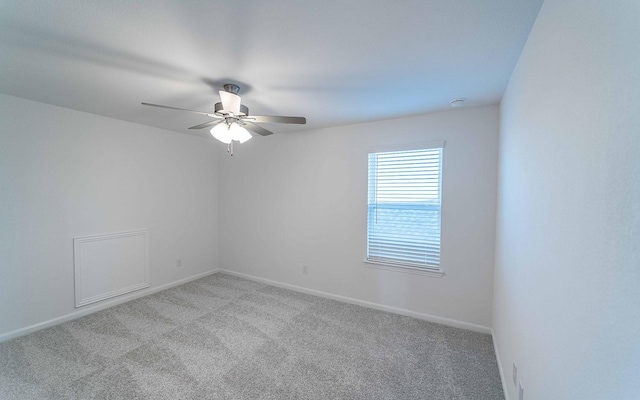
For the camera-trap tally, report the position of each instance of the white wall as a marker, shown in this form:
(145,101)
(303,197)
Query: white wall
(567,280)
(297,199)
(66,173)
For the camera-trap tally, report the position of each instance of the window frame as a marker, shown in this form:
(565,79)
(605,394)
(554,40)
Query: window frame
(428,269)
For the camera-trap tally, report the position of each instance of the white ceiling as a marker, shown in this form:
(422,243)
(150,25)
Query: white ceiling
(334,62)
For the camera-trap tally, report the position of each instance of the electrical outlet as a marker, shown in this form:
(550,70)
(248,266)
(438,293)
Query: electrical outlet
(515,375)
(520,391)
(179,262)
(305,269)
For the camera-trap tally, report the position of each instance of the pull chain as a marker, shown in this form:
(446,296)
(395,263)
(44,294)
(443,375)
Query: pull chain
(230,148)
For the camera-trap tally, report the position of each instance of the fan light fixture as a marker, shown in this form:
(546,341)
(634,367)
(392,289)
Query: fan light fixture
(226,133)
(231,118)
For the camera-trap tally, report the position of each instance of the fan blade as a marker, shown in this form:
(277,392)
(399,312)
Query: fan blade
(257,129)
(275,119)
(179,109)
(206,124)
(230,102)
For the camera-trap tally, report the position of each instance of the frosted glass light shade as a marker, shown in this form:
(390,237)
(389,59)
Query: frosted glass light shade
(226,134)
(222,133)
(239,133)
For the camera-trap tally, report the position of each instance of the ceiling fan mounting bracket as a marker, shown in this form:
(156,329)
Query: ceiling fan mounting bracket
(231,88)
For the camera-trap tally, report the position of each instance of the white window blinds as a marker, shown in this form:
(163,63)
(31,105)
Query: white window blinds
(403,224)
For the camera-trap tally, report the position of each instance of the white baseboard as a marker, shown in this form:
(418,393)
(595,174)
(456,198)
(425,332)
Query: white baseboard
(376,306)
(106,304)
(503,377)
(89,310)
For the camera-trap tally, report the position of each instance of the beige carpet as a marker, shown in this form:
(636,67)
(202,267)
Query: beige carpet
(223,337)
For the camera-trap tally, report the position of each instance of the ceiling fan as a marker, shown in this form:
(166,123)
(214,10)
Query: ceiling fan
(232,119)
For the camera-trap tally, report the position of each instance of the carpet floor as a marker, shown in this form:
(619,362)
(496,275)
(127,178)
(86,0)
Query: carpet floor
(223,337)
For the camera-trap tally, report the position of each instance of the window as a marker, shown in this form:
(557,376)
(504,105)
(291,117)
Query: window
(403,217)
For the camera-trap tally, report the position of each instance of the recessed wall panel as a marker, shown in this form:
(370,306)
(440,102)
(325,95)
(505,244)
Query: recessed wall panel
(110,265)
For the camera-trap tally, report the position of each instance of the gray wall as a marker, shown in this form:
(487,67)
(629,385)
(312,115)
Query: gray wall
(297,199)
(66,173)
(567,279)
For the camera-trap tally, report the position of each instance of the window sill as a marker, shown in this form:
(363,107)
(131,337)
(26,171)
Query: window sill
(436,273)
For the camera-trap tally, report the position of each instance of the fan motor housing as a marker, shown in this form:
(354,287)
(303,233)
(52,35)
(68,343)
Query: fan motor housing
(219,110)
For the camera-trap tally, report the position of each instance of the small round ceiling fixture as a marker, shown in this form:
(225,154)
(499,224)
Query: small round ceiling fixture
(457,102)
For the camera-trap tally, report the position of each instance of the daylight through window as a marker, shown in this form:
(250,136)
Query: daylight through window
(403,224)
